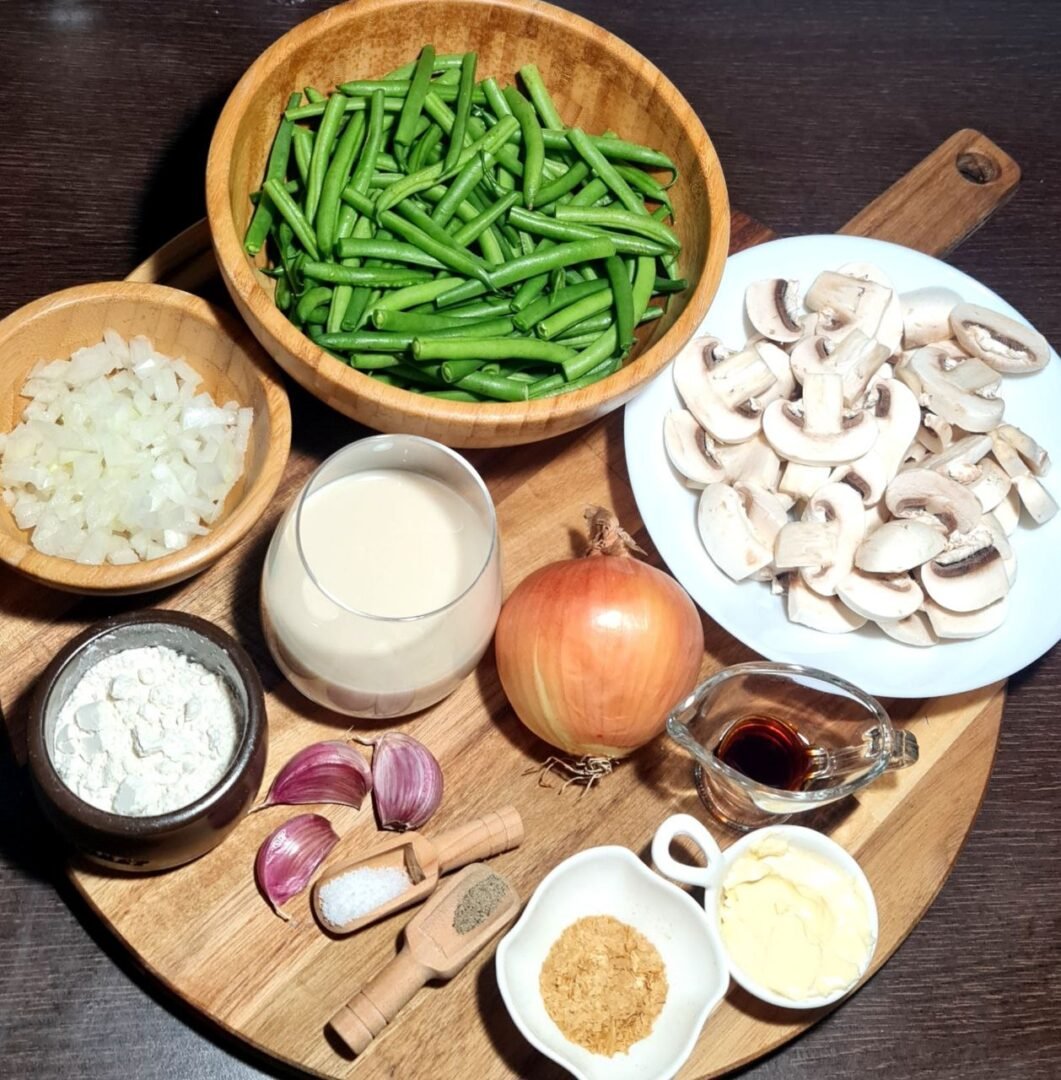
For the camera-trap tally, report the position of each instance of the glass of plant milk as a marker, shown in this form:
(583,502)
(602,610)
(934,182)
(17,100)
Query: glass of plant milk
(382,584)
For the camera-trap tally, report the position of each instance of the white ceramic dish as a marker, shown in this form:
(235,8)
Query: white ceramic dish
(748,610)
(613,881)
(711,877)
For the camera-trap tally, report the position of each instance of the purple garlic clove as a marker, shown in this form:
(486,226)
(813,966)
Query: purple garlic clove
(289,857)
(406,781)
(325,772)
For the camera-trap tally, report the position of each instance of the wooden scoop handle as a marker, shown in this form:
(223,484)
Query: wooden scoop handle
(377,1003)
(476,840)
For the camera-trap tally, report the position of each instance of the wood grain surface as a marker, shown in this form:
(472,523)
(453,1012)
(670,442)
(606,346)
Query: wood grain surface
(95,177)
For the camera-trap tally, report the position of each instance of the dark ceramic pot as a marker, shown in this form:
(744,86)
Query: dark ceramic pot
(163,841)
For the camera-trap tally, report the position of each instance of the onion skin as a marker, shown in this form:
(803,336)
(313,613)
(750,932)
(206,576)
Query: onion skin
(594,652)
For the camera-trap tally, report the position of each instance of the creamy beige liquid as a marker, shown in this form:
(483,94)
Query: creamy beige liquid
(391,543)
(384,610)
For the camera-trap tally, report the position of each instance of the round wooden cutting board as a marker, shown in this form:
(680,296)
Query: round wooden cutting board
(205,932)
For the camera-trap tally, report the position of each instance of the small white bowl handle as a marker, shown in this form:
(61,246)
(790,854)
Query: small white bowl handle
(685,825)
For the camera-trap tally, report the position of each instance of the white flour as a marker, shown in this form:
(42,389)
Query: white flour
(144,731)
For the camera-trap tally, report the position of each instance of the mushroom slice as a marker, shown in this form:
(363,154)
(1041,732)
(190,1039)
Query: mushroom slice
(916,492)
(990,485)
(968,450)
(689,451)
(1007,345)
(1007,456)
(1036,458)
(913,630)
(899,545)
(767,513)
(942,392)
(1007,513)
(1035,499)
(719,393)
(839,507)
(728,535)
(890,331)
(753,461)
(935,434)
(926,315)
(802,481)
(880,596)
(818,430)
(773,308)
(968,624)
(857,359)
(1001,541)
(968,575)
(801,544)
(844,303)
(915,455)
(824,613)
(810,353)
(876,516)
(776,359)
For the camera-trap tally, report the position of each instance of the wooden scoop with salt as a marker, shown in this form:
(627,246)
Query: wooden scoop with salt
(404,868)
(462,917)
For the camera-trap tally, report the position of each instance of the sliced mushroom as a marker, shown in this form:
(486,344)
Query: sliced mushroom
(913,630)
(899,545)
(718,392)
(970,624)
(767,513)
(753,460)
(777,360)
(898,417)
(990,484)
(728,535)
(801,544)
(857,358)
(940,390)
(1007,345)
(1035,499)
(915,455)
(926,315)
(802,481)
(935,433)
(818,430)
(773,308)
(876,516)
(917,492)
(689,450)
(880,596)
(810,354)
(1035,457)
(839,507)
(844,303)
(968,575)
(968,450)
(1007,513)
(1001,542)
(824,613)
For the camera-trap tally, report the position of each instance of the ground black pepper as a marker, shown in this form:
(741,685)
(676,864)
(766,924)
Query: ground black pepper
(478,903)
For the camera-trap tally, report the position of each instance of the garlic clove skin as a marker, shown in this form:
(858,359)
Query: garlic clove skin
(289,857)
(406,782)
(325,772)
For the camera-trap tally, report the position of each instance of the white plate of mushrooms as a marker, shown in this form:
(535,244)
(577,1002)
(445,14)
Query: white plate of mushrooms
(847,467)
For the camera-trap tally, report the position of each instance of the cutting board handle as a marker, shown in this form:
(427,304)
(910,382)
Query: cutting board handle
(480,839)
(379,1001)
(943,198)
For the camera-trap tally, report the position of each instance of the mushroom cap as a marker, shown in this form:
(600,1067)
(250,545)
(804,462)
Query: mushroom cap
(687,449)
(810,353)
(967,624)
(773,308)
(880,596)
(848,302)
(899,545)
(990,485)
(941,390)
(915,630)
(767,513)
(777,360)
(788,432)
(926,315)
(925,491)
(824,613)
(717,395)
(753,461)
(1035,498)
(802,481)
(1007,345)
(967,577)
(839,507)
(728,535)
(800,544)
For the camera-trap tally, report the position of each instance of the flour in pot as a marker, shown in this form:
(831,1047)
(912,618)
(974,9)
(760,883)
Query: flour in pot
(145,731)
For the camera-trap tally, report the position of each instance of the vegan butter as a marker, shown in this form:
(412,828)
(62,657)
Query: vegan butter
(794,922)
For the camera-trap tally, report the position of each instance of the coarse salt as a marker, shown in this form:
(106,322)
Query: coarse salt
(359,892)
(144,731)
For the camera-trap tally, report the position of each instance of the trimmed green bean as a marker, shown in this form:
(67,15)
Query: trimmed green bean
(623,299)
(614,150)
(532,314)
(302,149)
(383,276)
(590,193)
(484,309)
(455,395)
(412,323)
(669,285)
(442,63)
(391,250)
(309,301)
(592,156)
(454,370)
(472,230)
(275,169)
(466,290)
(593,325)
(460,114)
(573,314)
(322,149)
(495,98)
(424,293)
(424,146)
(366,166)
(414,99)
(335,180)
(461,186)
(611,217)
(532,80)
(290,212)
(364,341)
(313,95)
(516,348)
(646,184)
(563,184)
(541,262)
(494,386)
(556,228)
(373,361)
(533,146)
(601,371)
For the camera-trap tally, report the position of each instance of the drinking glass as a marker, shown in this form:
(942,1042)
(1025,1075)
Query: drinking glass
(368,665)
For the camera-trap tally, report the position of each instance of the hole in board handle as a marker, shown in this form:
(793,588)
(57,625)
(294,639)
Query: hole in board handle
(977,168)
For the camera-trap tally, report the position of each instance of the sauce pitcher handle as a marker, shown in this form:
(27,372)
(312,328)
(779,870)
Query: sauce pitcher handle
(685,825)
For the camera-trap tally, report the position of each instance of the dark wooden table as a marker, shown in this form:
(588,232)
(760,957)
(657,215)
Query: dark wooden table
(107,108)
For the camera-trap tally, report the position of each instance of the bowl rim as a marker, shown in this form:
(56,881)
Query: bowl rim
(52,787)
(657,881)
(339,380)
(76,577)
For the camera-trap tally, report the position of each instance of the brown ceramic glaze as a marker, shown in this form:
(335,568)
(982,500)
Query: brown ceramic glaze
(140,844)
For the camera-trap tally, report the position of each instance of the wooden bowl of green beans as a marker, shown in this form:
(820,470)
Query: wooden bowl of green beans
(482,222)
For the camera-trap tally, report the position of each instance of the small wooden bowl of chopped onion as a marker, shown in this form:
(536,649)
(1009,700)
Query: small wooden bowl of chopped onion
(142,433)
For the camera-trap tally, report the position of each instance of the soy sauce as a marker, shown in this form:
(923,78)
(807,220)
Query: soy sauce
(768,751)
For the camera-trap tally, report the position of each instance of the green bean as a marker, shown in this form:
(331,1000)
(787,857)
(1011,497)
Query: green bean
(460,188)
(425,292)
(592,156)
(391,250)
(454,395)
(442,63)
(428,375)
(623,299)
(349,223)
(335,180)
(387,277)
(460,114)
(437,348)
(532,314)
(414,99)
(611,217)
(466,290)
(484,309)
(579,340)
(530,290)
(590,193)
(669,285)
(282,295)
(367,87)
(313,95)
(614,150)
(391,105)
(573,314)
(494,386)
(507,156)
(423,221)
(593,325)
(602,349)
(471,231)
(541,262)
(601,371)
(364,341)
(646,184)
(373,361)
(533,147)
(310,300)
(302,148)
(424,145)
(366,166)
(570,180)
(455,258)
(290,212)
(490,245)
(454,370)
(275,169)
(465,328)
(556,228)
(322,148)
(532,80)
(495,98)
(413,323)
